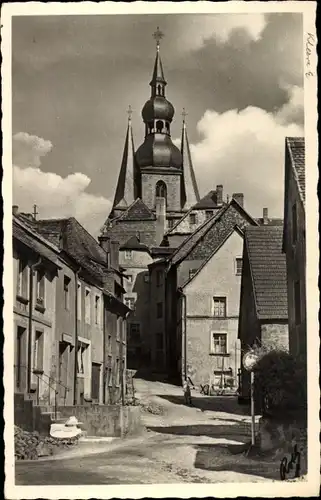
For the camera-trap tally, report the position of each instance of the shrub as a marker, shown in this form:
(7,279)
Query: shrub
(280,382)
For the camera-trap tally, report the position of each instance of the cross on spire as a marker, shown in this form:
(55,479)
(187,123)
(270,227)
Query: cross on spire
(129,112)
(158,35)
(184,114)
(35,213)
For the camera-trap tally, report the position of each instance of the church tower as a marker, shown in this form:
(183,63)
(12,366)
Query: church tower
(157,181)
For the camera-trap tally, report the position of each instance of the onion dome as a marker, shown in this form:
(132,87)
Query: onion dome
(158,108)
(158,151)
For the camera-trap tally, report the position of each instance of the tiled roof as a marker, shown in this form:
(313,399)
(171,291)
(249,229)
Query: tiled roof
(30,240)
(208,201)
(296,147)
(137,211)
(134,244)
(190,242)
(78,243)
(268,270)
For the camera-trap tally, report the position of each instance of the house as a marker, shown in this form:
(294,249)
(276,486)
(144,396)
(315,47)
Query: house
(195,301)
(294,244)
(263,316)
(95,293)
(134,258)
(36,267)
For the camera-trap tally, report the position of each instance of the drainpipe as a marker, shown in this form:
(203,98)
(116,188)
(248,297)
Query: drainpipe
(33,267)
(104,348)
(122,357)
(184,339)
(76,334)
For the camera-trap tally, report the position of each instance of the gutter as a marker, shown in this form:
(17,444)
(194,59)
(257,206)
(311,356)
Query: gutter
(33,267)
(184,339)
(76,274)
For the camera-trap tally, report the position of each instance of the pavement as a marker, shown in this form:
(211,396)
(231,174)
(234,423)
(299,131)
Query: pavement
(202,444)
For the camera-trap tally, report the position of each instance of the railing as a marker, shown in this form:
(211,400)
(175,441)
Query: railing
(40,374)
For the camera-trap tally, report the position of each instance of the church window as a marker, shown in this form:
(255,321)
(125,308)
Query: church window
(159,89)
(161,190)
(159,126)
(167,126)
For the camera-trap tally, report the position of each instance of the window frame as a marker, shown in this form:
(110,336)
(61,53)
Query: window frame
(38,347)
(159,277)
(22,278)
(238,259)
(193,217)
(137,333)
(223,299)
(87,305)
(67,282)
(128,254)
(97,305)
(219,334)
(159,310)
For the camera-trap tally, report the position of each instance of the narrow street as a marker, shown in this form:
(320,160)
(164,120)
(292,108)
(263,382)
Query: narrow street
(182,444)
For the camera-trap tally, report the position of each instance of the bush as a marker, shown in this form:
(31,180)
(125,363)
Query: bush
(280,382)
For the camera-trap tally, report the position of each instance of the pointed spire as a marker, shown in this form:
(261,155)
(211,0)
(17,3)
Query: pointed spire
(125,191)
(190,185)
(158,73)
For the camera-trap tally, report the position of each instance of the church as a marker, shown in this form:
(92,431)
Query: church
(169,236)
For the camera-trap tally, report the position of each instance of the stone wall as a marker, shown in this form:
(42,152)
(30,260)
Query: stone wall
(107,420)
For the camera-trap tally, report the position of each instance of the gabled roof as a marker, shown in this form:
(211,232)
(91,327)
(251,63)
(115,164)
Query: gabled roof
(208,201)
(78,243)
(136,211)
(296,149)
(268,271)
(189,243)
(215,249)
(35,242)
(134,244)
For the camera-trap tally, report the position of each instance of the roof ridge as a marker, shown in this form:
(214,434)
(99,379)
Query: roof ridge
(36,234)
(293,163)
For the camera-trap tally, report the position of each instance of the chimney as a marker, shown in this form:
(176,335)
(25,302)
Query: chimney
(114,254)
(15,209)
(265,216)
(219,194)
(239,197)
(160,219)
(104,242)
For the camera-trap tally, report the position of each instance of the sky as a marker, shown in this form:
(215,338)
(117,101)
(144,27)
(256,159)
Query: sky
(239,77)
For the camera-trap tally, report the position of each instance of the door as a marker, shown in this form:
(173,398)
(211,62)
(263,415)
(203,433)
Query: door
(95,381)
(21,360)
(63,371)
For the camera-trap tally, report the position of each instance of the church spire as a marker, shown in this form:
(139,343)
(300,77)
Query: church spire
(190,189)
(158,81)
(125,191)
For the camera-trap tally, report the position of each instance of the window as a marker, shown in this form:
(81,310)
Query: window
(81,358)
(192,272)
(159,278)
(161,190)
(294,224)
(130,302)
(238,266)
(297,302)
(78,300)
(40,288)
(87,306)
(159,126)
(134,332)
(38,351)
(117,372)
(219,306)
(208,214)
(66,292)
(119,328)
(128,254)
(219,343)
(22,285)
(192,219)
(159,309)
(170,223)
(20,355)
(159,341)
(97,309)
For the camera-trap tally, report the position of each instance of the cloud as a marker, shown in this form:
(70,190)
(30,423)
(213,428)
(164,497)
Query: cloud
(293,110)
(54,195)
(244,151)
(220,27)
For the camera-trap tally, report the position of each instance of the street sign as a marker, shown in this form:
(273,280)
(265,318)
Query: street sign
(249,360)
